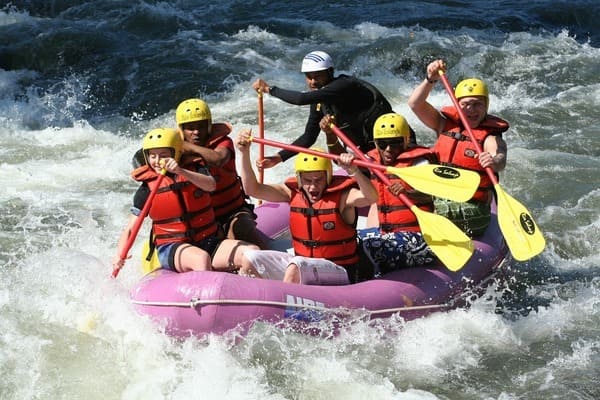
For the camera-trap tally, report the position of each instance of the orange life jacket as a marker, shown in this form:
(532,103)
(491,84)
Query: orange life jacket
(454,147)
(318,230)
(394,215)
(180,211)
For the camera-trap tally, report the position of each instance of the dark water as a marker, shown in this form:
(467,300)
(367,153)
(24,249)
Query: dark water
(81,82)
(132,58)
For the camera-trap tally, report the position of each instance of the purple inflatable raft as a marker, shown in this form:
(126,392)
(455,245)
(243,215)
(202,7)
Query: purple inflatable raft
(200,303)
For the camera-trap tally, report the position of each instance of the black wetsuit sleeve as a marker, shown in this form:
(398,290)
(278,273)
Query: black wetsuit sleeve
(330,93)
(290,96)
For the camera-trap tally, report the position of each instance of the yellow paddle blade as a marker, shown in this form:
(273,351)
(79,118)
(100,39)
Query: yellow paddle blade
(522,235)
(152,264)
(451,183)
(445,239)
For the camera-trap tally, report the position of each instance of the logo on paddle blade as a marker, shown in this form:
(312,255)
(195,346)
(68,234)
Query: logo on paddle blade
(446,172)
(527,223)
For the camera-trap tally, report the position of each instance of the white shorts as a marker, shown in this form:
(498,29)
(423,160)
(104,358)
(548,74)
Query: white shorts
(272,264)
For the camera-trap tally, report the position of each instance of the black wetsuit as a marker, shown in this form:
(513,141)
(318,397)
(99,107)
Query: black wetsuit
(356,105)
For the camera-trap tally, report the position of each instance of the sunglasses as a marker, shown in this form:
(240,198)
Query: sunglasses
(392,143)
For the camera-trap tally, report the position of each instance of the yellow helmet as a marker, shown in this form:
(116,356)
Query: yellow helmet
(391,126)
(310,163)
(163,138)
(471,87)
(192,110)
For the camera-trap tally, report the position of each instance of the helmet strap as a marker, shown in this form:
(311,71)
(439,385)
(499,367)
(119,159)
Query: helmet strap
(330,70)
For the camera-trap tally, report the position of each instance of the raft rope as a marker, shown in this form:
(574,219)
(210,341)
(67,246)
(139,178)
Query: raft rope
(193,303)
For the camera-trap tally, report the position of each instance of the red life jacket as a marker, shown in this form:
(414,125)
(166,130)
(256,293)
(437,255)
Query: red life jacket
(394,215)
(180,211)
(229,194)
(318,230)
(454,148)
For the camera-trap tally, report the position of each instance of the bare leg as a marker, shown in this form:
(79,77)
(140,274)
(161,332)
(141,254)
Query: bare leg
(292,274)
(191,258)
(229,255)
(243,227)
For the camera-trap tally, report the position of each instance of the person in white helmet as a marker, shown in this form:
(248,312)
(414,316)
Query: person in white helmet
(351,103)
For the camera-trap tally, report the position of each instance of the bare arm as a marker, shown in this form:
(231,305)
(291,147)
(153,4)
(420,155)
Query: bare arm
(417,101)
(117,262)
(366,194)
(333,144)
(252,187)
(200,180)
(215,158)
(494,153)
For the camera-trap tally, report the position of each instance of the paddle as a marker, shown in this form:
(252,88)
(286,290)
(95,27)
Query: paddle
(149,265)
(138,222)
(454,254)
(452,183)
(447,242)
(522,235)
(261,134)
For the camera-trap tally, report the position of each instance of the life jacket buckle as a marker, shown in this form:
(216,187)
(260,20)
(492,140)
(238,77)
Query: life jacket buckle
(386,227)
(310,243)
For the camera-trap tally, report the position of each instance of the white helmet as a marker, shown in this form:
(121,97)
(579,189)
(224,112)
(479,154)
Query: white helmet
(316,61)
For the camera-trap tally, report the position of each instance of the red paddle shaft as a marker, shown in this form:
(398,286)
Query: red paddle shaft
(465,122)
(298,149)
(138,223)
(363,157)
(261,132)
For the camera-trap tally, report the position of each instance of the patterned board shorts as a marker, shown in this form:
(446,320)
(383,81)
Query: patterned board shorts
(396,250)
